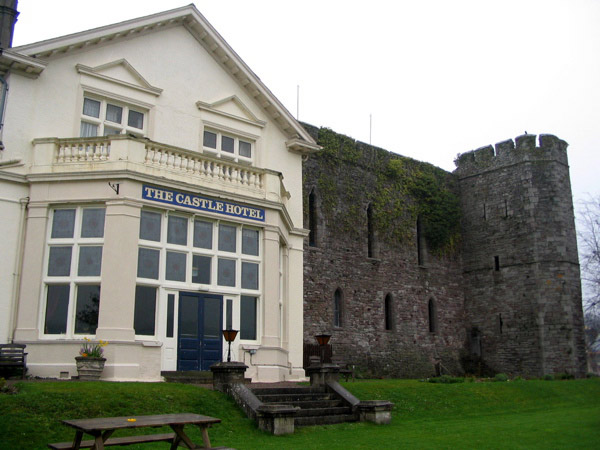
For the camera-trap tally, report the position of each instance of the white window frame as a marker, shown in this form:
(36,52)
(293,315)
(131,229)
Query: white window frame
(214,253)
(102,122)
(237,138)
(73,280)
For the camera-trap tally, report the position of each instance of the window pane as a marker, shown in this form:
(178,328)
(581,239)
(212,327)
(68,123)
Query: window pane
(145,310)
(227,144)
(135,119)
(57,307)
(114,113)
(177,230)
(212,318)
(250,241)
(203,234)
(175,266)
(90,261)
(226,272)
(109,131)
(249,275)
(248,317)
(245,149)
(210,139)
(88,304)
(59,263)
(91,107)
(88,130)
(170,314)
(227,238)
(150,226)
(201,269)
(148,263)
(63,223)
(229,315)
(188,316)
(92,224)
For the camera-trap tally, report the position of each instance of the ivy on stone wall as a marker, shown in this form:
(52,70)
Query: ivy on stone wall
(350,175)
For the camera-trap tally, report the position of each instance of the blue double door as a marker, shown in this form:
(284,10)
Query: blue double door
(200,342)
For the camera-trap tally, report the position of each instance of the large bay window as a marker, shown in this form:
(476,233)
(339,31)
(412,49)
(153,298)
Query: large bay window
(102,117)
(189,252)
(193,250)
(72,271)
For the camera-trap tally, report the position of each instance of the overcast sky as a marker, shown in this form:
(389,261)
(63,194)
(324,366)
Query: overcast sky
(437,77)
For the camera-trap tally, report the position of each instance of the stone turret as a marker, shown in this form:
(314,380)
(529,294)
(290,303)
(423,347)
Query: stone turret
(521,271)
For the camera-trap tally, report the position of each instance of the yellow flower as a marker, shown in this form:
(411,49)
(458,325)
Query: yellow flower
(84,354)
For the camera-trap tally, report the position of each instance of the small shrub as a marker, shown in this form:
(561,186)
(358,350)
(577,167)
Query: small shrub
(446,379)
(519,378)
(501,377)
(6,388)
(564,376)
(548,377)
(591,375)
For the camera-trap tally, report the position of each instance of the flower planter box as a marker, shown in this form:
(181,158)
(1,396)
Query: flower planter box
(89,368)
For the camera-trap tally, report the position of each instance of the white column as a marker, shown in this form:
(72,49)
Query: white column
(33,263)
(119,270)
(270,310)
(295,304)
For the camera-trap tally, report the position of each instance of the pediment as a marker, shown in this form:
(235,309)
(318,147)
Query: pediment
(120,72)
(234,108)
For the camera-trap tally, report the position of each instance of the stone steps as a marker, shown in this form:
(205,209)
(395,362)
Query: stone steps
(188,377)
(317,405)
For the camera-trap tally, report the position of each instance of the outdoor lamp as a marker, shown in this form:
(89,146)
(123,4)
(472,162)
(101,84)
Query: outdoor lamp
(229,336)
(323,339)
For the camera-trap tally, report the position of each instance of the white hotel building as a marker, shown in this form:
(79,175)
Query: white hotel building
(151,196)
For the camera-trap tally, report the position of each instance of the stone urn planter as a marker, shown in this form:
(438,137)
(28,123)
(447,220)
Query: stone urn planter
(89,368)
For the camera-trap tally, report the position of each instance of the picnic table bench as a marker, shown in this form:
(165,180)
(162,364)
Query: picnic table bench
(13,356)
(102,429)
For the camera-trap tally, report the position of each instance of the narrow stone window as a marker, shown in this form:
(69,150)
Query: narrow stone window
(432,316)
(337,308)
(505,208)
(371,233)
(484,212)
(389,316)
(475,342)
(312,219)
(496,263)
(500,323)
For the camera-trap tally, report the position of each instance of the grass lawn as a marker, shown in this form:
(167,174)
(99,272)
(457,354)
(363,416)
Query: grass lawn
(509,415)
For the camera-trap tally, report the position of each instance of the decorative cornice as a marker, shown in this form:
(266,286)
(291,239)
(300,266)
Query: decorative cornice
(11,61)
(250,116)
(144,86)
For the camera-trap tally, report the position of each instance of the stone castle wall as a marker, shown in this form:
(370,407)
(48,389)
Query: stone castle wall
(345,182)
(508,296)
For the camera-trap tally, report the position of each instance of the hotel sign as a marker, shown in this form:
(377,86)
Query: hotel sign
(202,203)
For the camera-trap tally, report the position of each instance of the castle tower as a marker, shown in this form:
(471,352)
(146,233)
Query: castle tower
(521,270)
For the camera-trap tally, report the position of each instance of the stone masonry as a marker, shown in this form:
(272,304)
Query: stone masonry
(521,270)
(506,293)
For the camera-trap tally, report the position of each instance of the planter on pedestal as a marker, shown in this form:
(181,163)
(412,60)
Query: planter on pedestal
(89,368)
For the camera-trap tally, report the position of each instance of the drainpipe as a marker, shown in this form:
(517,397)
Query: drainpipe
(16,290)
(3,94)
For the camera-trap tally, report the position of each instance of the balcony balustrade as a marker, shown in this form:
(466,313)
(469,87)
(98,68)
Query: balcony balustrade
(121,152)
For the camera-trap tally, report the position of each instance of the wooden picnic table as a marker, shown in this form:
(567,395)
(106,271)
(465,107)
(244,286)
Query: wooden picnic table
(103,428)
